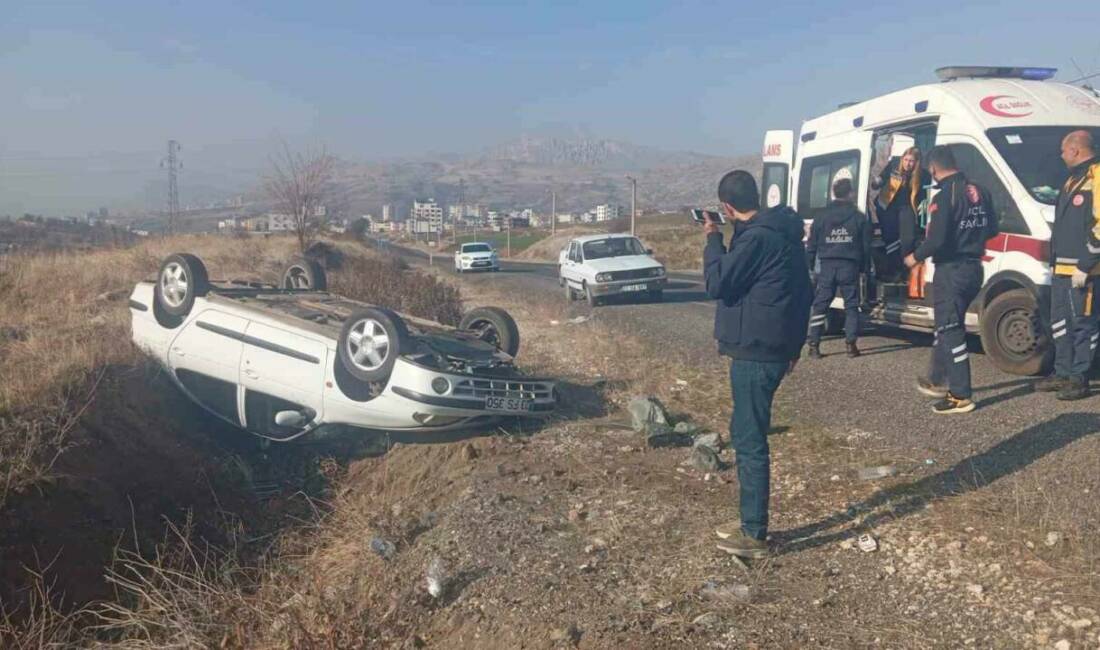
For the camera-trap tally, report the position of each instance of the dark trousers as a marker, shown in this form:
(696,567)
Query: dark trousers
(954,287)
(753,384)
(1073,326)
(842,276)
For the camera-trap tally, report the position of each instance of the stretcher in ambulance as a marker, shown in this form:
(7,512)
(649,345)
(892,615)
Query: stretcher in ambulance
(1005,127)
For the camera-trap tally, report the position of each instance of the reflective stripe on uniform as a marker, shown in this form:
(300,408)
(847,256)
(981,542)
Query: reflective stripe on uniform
(962,357)
(958,349)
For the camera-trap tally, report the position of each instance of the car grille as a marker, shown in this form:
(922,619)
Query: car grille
(503,388)
(632,274)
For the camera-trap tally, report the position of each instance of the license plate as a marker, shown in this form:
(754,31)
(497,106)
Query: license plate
(507,404)
(633,287)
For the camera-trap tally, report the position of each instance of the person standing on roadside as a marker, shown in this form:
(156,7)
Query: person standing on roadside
(962,221)
(1075,253)
(762,286)
(840,238)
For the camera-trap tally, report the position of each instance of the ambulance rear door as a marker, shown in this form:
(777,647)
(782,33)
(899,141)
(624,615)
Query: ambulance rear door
(778,159)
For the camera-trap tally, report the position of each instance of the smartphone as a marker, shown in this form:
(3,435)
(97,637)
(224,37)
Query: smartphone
(701,216)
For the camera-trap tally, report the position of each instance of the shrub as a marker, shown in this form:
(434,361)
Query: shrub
(389,282)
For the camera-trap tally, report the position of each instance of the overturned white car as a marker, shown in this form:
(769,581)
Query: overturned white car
(282,362)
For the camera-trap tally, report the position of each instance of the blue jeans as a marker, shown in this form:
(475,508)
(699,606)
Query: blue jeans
(753,385)
(1074,326)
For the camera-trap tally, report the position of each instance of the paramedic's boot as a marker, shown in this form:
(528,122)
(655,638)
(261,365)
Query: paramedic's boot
(744,546)
(1078,388)
(815,350)
(1053,384)
(853,351)
(927,388)
(951,404)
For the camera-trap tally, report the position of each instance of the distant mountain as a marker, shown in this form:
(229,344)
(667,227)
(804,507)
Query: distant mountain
(583,171)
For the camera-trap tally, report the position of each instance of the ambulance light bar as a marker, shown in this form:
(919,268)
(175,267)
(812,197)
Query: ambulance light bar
(991,72)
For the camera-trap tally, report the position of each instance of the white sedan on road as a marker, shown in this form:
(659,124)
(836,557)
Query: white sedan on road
(598,266)
(476,256)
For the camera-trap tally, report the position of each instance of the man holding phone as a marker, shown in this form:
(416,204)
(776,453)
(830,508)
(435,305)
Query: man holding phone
(762,286)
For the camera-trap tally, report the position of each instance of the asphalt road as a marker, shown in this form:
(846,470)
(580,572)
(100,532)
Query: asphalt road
(872,397)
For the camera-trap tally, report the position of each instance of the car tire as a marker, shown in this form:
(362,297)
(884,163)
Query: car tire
(493,325)
(569,296)
(593,299)
(182,277)
(305,275)
(1013,336)
(356,355)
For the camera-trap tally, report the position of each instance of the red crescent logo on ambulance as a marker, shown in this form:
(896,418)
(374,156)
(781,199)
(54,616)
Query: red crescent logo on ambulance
(1006,106)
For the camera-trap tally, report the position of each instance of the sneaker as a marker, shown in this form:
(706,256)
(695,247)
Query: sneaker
(815,351)
(728,530)
(744,546)
(1053,384)
(926,387)
(951,404)
(1074,390)
(853,351)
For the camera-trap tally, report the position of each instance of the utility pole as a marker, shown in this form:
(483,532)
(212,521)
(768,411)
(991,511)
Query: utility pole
(173,164)
(553,212)
(508,222)
(633,201)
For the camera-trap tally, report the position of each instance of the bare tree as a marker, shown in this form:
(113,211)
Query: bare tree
(298,185)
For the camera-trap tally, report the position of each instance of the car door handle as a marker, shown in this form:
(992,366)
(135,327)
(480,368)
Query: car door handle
(251,374)
(179,351)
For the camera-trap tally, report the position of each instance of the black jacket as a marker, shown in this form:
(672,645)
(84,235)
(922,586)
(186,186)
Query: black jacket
(1075,241)
(962,221)
(840,232)
(762,286)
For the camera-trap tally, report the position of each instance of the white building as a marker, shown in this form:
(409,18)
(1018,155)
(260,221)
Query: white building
(428,211)
(607,212)
(278,221)
(494,220)
(565,217)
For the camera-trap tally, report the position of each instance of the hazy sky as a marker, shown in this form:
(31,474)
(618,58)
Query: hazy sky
(92,90)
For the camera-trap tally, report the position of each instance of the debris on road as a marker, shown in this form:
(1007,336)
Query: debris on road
(686,427)
(648,416)
(867,543)
(1053,538)
(668,439)
(704,459)
(710,440)
(729,592)
(437,577)
(872,473)
(384,548)
(578,320)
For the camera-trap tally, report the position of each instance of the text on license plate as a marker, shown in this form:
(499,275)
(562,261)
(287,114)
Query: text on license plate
(507,404)
(633,287)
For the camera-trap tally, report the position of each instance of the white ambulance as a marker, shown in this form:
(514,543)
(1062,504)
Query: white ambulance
(1005,127)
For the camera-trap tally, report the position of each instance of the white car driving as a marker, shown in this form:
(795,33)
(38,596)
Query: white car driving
(598,266)
(285,361)
(476,256)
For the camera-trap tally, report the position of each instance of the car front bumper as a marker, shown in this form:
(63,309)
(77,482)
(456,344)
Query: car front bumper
(623,286)
(478,265)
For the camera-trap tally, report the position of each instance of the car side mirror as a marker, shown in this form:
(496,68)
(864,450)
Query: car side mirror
(649,251)
(292,419)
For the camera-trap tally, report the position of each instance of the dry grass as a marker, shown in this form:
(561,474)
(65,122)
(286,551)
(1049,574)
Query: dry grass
(388,282)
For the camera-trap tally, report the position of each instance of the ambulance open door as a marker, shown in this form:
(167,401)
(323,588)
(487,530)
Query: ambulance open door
(778,157)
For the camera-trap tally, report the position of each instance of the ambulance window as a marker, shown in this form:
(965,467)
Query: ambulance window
(977,168)
(818,175)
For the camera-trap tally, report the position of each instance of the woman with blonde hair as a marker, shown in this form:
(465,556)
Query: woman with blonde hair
(901,192)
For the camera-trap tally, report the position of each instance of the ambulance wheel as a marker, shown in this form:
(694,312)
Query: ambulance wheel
(1013,336)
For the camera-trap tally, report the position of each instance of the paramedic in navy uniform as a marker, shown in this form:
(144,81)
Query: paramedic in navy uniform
(1075,252)
(962,221)
(840,238)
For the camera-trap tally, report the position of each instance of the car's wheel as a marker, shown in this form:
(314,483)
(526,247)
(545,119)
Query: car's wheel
(657,295)
(569,296)
(182,278)
(493,325)
(1012,335)
(305,274)
(370,342)
(593,299)
(561,278)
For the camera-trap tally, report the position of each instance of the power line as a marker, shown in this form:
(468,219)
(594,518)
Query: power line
(173,164)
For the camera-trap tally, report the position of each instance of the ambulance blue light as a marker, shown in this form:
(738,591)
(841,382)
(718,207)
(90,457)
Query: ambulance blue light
(1038,74)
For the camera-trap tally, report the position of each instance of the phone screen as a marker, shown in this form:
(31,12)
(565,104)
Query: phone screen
(700,216)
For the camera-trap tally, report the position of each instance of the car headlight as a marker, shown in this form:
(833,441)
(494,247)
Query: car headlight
(657,272)
(603,277)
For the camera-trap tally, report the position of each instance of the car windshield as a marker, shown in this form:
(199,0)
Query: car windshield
(612,247)
(476,248)
(1035,155)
